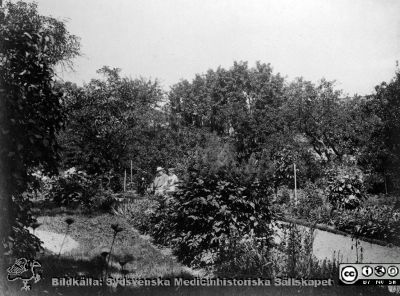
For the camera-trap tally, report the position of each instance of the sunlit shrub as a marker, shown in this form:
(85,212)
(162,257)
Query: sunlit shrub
(345,188)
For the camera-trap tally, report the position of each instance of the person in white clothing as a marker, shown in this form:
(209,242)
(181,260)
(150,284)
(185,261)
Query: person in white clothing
(172,180)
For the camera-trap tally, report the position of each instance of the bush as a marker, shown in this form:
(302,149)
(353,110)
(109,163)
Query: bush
(310,200)
(283,196)
(21,242)
(71,189)
(345,188)
(103,201)
(138,212)
(209,213)
(75,189)
(321,214)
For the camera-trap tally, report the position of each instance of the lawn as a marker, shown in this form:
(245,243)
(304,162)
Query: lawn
(94,235)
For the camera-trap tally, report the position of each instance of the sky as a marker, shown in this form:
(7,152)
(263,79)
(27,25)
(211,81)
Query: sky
(356,43)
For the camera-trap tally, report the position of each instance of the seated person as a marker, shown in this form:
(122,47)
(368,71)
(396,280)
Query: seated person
(172,180)
(160,182)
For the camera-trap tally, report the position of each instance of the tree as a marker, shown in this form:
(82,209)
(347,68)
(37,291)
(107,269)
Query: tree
(240,104)
(382,152)
(31,112)
(329,123)
(112,121)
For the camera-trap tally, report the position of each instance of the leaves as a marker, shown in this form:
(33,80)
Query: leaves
(209,211)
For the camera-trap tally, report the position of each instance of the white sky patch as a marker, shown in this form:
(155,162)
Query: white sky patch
(354,42)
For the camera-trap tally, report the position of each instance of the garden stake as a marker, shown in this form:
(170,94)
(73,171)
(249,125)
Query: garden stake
(125,181)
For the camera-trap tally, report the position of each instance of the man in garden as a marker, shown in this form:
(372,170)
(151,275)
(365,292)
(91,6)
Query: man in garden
(160,182)
(172,180)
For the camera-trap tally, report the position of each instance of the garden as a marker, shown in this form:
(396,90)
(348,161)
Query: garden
(263,163)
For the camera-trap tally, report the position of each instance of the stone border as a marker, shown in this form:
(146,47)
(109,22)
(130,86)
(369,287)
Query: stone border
(331,229)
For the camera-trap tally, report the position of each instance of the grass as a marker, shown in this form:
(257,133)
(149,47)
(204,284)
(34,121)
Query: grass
(94,234)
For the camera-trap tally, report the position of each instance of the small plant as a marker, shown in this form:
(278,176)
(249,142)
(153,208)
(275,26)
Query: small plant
(356,244)
(117,229)
(123,260)
(35,225)
(69,222)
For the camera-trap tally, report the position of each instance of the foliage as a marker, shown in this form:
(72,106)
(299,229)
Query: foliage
(309,203)
(232,103)
(22,243)
(209,213)
(72,188)
(138,212)
(283,196)
(296,248)
(376,222)
(75,189)
(103,201)
(345,188)
(31,113)
(249,256)
(291,256)
(112,121)
(326,120)
(382,153)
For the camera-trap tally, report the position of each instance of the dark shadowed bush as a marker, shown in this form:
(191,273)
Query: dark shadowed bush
(75,189)
(72,188)
(210,213)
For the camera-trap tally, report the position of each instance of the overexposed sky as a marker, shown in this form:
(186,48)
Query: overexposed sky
(355,42)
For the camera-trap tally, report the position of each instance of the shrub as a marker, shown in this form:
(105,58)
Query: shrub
(321,214)
(73,189)
(283,195)
(310,200)
(21,242)
(209,213)
(139,212)
(103,200)
(345,188)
